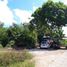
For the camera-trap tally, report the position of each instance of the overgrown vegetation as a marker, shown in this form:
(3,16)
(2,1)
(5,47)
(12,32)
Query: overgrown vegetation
(17,36)
(14,58)
(63,42)
(47,20)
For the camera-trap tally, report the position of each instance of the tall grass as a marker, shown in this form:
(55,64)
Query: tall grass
(18,57)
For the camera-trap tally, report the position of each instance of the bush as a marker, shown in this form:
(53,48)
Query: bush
(24,41)
(10,44)
(63,42)
(7,58)
(3,36)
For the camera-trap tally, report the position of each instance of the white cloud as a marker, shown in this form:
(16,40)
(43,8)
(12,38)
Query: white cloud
(6,15)
(34,8)
(64,1)
(24,15)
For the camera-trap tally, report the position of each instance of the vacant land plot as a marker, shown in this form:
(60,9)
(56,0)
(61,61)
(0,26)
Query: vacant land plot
(50,58)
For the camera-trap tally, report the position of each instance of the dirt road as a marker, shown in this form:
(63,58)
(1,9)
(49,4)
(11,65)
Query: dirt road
(50,58)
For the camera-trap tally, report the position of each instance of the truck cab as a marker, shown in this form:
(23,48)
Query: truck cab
(45,43)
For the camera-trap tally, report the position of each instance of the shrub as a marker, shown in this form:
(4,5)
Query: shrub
(3,36)
(24,41)
(63,42)
(10,44)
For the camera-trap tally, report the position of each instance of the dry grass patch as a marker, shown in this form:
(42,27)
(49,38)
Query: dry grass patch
(11,57)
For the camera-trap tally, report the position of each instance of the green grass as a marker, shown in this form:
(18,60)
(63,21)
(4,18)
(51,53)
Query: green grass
(23,64)
(16,59)
(63,42)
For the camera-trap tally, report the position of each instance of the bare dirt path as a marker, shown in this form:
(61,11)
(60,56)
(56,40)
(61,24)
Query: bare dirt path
(50,58)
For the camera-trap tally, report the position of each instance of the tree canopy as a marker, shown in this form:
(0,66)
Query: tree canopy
(51,13)
(50,17)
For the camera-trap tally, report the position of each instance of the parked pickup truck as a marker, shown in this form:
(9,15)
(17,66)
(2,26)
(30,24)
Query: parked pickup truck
(47,42)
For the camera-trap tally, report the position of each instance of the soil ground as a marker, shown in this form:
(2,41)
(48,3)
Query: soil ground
(49,58)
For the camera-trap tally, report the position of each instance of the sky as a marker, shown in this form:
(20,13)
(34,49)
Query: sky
(19,11)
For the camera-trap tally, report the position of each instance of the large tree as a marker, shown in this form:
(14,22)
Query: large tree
(50,18)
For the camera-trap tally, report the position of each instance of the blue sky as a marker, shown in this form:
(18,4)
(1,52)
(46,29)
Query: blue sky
(24,4)
(17,11)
